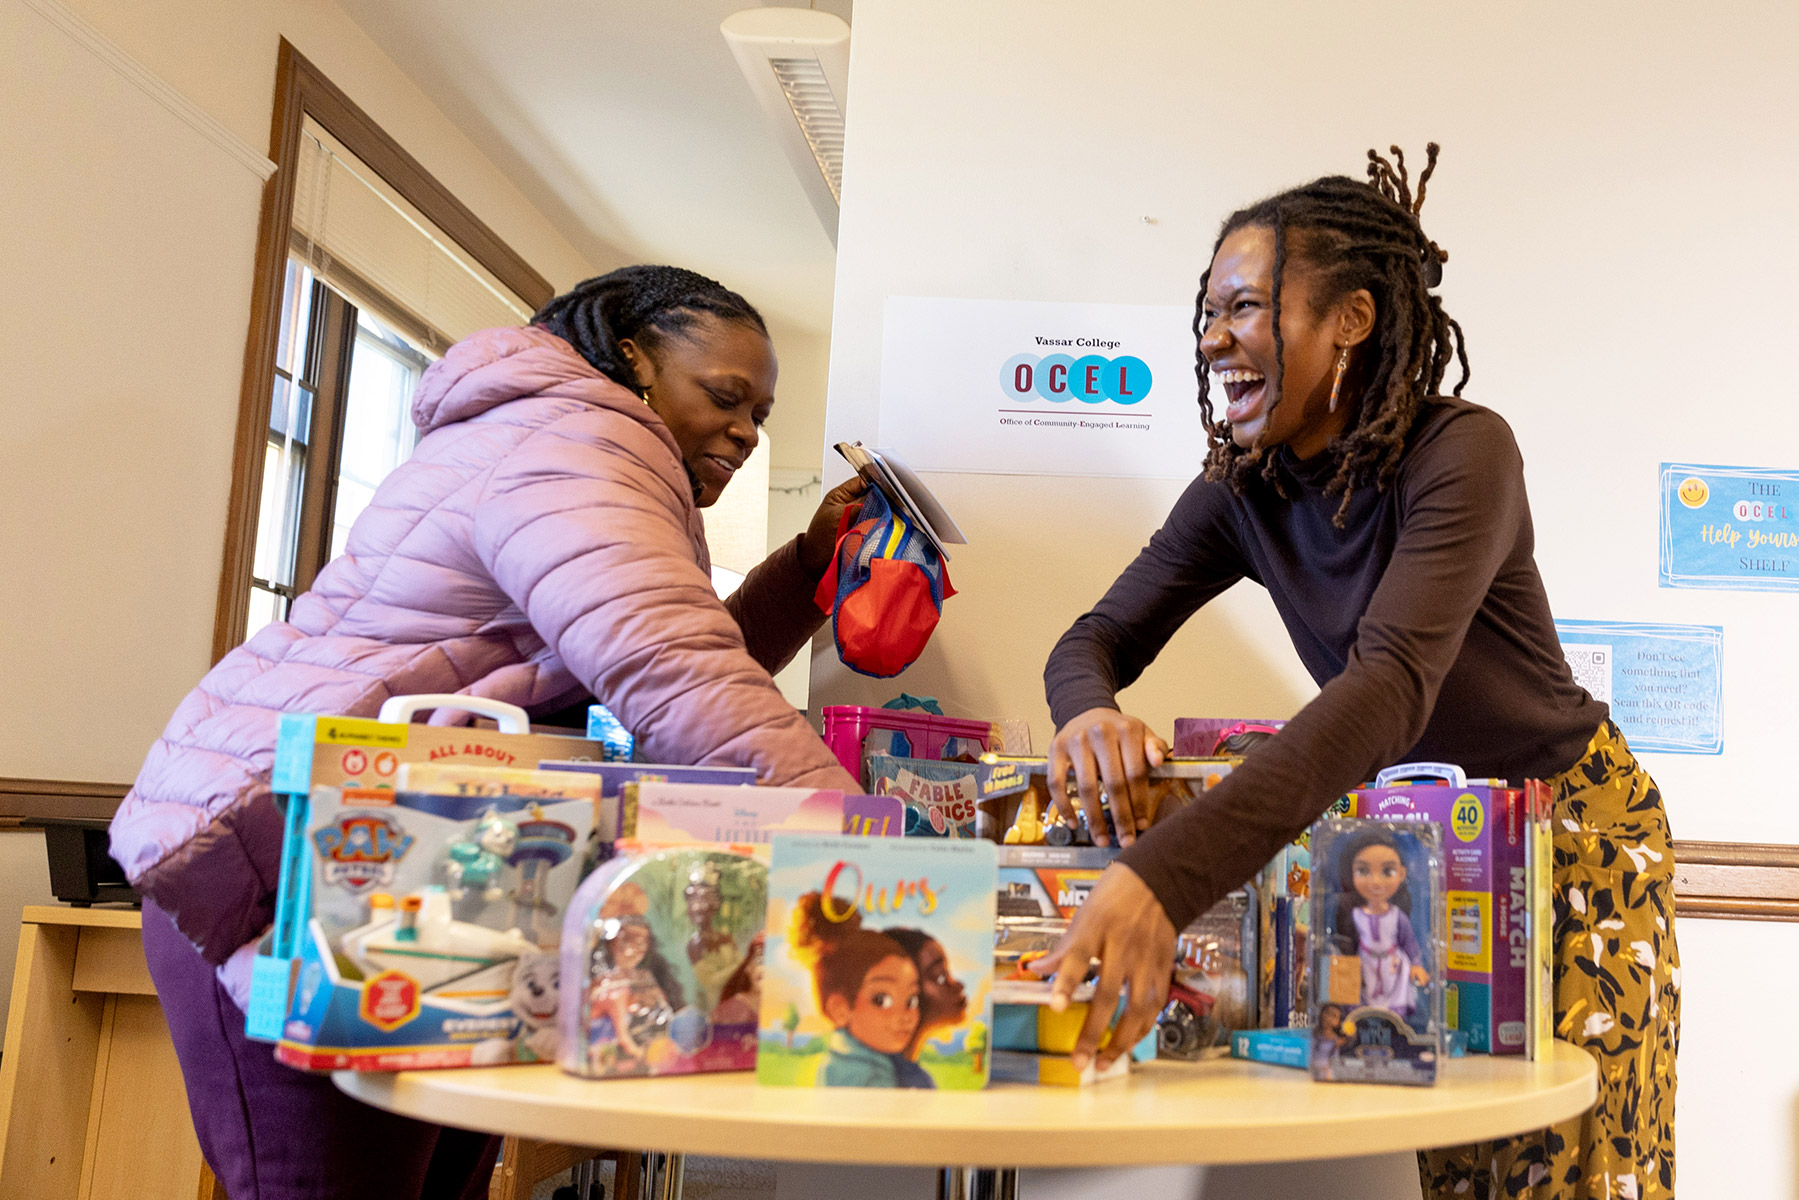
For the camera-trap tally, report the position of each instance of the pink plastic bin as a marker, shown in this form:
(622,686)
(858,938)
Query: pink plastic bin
(847,724)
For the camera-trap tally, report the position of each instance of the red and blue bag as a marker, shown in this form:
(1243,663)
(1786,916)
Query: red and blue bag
(886,592)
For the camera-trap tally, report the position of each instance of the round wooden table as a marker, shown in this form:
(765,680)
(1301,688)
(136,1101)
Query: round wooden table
(1220,1111)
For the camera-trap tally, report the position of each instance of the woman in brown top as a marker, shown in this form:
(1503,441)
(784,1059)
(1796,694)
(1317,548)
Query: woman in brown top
(1391,528)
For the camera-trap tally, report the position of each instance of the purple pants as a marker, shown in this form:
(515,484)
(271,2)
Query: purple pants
(270,1132)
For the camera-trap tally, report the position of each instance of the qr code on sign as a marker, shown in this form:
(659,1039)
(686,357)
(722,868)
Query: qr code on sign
(1592,669)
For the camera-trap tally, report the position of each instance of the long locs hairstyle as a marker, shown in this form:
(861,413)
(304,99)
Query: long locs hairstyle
(1350,235)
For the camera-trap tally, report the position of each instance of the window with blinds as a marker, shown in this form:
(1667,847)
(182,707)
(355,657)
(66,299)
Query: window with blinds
(373,292)
(361,238)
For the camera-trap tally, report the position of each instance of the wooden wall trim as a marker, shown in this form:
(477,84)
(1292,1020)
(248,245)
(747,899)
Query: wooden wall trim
(1738,881)
(59,798)
(301,91)
(152,85)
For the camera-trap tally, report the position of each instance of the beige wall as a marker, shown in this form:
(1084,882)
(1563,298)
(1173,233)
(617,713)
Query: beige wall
(1616,197)
(126,244)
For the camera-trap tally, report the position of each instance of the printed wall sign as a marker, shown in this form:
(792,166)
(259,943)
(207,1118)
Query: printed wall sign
(1665,683)
(1730,527)
(1028,388)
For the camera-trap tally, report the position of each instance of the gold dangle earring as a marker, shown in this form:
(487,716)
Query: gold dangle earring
(1337,383)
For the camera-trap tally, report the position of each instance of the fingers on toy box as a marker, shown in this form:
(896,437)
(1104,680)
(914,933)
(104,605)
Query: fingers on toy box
(1377,925)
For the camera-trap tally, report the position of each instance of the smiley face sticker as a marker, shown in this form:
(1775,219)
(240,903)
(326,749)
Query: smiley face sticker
(1693,492)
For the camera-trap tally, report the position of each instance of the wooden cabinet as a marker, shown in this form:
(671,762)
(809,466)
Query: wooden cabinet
(91,1100)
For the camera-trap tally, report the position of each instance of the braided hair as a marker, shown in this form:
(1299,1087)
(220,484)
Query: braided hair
(1352,235)
(642,304)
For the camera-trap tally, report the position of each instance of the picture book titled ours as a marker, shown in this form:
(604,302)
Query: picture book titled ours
(878,963)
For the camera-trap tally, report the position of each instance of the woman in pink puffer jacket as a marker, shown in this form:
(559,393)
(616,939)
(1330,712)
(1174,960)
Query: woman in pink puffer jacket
(543,544)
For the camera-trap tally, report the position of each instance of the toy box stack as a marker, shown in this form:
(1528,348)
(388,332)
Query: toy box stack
(1487,828)
(364,861)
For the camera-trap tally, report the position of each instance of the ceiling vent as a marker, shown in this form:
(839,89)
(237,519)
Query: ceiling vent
(797,62)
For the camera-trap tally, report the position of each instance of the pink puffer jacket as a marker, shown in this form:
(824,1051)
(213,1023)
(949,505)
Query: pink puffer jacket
(542,542)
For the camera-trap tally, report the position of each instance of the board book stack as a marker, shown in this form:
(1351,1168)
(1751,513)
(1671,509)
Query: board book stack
(879,963)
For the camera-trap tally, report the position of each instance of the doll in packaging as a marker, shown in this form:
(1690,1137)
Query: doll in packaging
(662,963)
(1377,921)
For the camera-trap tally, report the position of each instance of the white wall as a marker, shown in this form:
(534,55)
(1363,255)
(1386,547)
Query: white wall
(1616,197)
(126,246)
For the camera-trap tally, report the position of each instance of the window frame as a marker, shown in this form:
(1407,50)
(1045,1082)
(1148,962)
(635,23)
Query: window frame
(301,90)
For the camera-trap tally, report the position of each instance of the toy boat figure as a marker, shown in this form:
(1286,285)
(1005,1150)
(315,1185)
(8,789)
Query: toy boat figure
(450,959)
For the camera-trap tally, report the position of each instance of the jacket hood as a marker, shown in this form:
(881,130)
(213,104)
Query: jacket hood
(496,366)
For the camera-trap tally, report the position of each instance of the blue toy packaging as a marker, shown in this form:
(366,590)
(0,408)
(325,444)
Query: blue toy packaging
(366,756)
(1277,1047)
(1486,828)
(1377,960)
(433,921)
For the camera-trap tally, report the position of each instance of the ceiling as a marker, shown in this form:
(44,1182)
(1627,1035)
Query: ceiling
(627,123)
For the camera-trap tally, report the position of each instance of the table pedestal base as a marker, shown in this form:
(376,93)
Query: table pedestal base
(663,1176)
(977,1183)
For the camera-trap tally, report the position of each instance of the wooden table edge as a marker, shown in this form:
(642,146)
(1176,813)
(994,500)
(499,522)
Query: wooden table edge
(441,1097)
(96,917)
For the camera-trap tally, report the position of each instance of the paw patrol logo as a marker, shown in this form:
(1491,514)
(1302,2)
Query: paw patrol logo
(359,851)
(1091,379)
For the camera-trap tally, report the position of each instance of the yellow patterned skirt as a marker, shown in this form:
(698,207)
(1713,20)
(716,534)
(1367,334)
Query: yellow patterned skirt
(1617,996)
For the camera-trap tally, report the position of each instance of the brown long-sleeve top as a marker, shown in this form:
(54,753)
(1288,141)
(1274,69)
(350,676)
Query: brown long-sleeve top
(1423,620)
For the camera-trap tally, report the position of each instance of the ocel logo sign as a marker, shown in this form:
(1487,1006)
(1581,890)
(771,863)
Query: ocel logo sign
(1091,379)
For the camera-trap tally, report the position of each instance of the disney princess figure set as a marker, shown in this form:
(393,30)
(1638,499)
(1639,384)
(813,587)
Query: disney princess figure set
(662,961)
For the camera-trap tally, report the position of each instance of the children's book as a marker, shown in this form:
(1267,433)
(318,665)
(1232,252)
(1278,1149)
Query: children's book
(613,776)
(905,492)
(879,963)
(874,816)
(675,813)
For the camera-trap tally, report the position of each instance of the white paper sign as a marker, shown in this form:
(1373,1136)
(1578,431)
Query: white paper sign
(1017,387)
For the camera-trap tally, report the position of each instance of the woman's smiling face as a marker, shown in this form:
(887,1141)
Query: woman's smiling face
(713,385)
(1238,344)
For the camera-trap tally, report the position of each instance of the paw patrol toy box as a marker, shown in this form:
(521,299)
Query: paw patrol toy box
(1486,831)
(425,869)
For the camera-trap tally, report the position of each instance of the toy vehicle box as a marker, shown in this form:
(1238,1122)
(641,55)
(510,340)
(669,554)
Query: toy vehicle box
(431,927)
(358,752)
(1486,828)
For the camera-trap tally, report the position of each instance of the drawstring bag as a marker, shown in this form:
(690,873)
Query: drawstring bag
(887,590)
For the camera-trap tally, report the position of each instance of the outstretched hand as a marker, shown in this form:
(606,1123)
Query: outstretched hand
(1121,923)
(818,545)
(1104,747)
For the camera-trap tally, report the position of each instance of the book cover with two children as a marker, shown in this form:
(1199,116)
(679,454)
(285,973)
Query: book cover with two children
(878,963)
